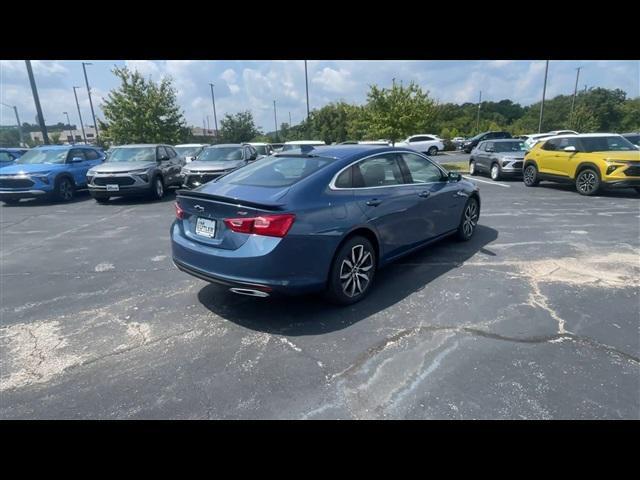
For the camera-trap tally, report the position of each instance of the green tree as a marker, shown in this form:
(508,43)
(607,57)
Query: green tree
(398,112)
(630,120)
(142,111)
(55,138)
(238,128)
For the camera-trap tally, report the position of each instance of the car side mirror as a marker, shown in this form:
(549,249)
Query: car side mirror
(490,150)
(455,177)
(570,148)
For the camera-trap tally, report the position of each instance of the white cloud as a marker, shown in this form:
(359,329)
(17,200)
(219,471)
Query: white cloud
(336,81)
(229,75)
(144,67)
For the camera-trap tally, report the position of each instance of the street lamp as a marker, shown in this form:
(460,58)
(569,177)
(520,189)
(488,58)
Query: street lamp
(275,119)
(15,110)
(79,114)
(544,91)
(70,130)
(215,118)
(93,115)
(306,81)
(36,100)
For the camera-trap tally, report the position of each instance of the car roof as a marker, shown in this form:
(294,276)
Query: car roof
(502,140)
(192,145)
(239,145)
(65,147)
(259,143)
(305,142)
(139,145)
(340,152)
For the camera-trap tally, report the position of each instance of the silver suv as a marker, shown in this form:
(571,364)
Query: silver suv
(144,169)
(215,161)
(498,158)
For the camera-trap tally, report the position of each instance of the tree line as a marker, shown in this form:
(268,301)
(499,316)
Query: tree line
(143,111)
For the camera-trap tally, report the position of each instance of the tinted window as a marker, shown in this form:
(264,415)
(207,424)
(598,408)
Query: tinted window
(429,138)
(614,143)
(5,157)
(135,154)
(421,169)
(515,146)
(488,146)
(418,139)
(551,144)
(635,139)
(171,152)
(162,153)
(76,152)
(377,172)
(276,171)
(344,179)
(91,154)
(220,154)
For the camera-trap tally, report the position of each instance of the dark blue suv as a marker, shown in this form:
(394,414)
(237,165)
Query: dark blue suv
(55,171)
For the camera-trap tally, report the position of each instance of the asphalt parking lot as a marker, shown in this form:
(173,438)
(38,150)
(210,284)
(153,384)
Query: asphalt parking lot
(536,317)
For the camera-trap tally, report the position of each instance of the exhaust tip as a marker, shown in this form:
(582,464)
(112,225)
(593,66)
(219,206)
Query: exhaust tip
(249,292)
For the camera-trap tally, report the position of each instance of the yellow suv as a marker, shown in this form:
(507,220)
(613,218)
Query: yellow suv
(592,161)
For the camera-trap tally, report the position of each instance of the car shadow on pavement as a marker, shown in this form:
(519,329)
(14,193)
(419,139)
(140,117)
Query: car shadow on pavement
(169,196)
(312,315)
(80,196)
(612,192)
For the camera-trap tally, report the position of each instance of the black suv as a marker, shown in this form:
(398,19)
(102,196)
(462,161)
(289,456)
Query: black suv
(470,144)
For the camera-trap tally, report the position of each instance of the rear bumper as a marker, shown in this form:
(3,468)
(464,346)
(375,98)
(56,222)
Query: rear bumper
(268,264)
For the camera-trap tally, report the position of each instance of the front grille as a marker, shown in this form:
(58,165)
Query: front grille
(633,171)
(16,183)
(197,180)
(113,181)
(517,165)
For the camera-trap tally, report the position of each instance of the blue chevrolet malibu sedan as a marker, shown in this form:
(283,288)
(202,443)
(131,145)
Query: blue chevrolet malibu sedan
(319,219)
(54,171)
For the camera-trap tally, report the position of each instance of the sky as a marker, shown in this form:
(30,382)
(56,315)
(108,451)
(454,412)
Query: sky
(253,85)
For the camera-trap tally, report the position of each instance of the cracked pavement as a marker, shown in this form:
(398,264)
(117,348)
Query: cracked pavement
(537,317)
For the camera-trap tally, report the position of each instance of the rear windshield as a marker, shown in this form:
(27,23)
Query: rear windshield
(276,171)
(509,146)
(615,143)
(132,154)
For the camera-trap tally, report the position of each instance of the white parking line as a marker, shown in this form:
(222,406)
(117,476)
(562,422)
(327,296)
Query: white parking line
(487,181)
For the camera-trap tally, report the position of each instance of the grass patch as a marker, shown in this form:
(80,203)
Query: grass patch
(456,167)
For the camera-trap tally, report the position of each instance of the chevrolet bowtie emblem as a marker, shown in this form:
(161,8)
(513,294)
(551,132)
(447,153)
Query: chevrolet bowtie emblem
(198,208)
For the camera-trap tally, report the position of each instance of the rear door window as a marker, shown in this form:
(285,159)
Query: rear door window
(91,154)
(380,171)
(76,152)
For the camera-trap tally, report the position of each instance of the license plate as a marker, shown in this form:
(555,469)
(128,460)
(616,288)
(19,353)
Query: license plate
(206,227)
(113,188)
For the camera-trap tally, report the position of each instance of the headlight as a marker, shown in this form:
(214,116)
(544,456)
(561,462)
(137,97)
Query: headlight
(185,171)
(91,173)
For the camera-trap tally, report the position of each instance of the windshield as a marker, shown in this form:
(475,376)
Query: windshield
(606,144)
(135,154)
(276,171)
(188,151)
(261,149)
(220,154)
(509,146)
(635,139)
(293,146)
(43,156)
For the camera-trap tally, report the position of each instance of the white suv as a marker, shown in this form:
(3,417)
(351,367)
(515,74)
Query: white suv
(429,144)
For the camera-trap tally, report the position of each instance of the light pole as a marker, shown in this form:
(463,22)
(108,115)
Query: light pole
(69,123)
(289,119)
(306,80)
(275,119)
(575,92)
(478,117)
(215,118)
(15,110)
(208,126)
(36,100)
(93,115)
(544,91)
(79,114)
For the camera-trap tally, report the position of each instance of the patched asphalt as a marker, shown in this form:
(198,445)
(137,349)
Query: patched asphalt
(536,317)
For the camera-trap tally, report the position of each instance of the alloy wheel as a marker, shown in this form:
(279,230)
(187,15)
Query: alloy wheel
(470,218)
(529,175)
(354,269)
(587,182)
(159,188)
(495,172)
(66,190)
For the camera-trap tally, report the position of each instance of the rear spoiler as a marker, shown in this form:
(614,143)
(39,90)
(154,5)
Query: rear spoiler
(231,201)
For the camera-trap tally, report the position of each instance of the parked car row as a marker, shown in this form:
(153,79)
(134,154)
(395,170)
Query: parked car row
(592,162)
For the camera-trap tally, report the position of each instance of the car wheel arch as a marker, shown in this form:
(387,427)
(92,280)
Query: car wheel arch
(366,232)
(584,165)
(66,175)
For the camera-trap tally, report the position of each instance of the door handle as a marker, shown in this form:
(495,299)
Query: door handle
(374,202)
(424,194)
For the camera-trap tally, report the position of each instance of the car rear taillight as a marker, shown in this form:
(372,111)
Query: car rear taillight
(268,225)
(179,211)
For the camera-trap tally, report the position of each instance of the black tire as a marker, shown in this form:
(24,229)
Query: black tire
(588,182)
(530,175)
(102,200)
(495,172)
(469,219)
(11,201)
(157,188)
(433,151)
(472,168)
(64,189)
(347,285)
